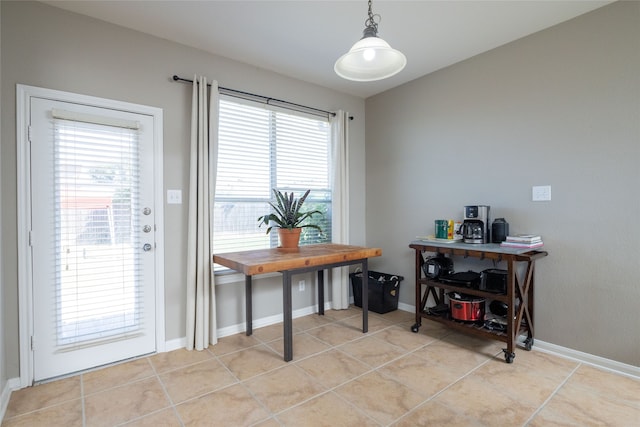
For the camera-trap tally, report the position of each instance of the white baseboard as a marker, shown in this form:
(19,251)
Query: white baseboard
(12,384)
(175,344)
(590,359)
(179,343)
(406,307)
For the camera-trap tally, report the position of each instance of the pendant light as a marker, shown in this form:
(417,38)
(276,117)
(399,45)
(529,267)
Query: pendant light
(370,58)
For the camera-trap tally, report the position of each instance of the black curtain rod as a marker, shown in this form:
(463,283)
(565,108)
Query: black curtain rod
(266,99)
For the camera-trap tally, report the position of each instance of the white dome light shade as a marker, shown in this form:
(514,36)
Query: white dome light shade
(370,59)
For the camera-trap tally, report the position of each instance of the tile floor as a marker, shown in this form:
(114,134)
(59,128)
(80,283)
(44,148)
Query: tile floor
(339,377)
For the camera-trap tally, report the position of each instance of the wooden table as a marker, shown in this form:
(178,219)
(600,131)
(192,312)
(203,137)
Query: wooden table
(289,262)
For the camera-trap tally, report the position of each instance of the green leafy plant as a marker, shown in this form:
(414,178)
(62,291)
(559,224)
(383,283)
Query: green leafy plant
(287,212)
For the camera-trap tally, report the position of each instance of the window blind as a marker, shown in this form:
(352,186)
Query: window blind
(97,262)
(260,148)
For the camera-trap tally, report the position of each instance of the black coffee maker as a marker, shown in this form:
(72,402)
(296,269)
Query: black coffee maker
(475,224)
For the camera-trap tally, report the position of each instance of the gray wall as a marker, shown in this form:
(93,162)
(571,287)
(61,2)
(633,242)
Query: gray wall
(47,47)
(3,370)
(560,107)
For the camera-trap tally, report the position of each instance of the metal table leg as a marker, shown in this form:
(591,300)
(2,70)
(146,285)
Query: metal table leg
(365,295)
(321,292)
(248,305)
(287,315)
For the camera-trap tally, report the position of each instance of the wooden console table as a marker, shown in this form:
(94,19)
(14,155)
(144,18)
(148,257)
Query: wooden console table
(518,295)
(306,259)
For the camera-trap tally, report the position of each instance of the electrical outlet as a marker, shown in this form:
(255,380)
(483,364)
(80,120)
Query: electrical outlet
(174,197)
(301,285)
(541,193)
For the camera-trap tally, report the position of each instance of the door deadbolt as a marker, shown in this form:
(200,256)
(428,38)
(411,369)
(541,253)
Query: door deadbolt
(146,211)
(146,247)
(146,228)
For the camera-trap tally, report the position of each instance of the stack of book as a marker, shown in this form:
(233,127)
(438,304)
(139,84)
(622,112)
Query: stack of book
(523,241)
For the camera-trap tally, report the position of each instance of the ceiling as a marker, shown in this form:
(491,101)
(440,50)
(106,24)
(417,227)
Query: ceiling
(303,39)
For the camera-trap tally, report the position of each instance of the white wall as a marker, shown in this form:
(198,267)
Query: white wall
(560,108)
(47,47)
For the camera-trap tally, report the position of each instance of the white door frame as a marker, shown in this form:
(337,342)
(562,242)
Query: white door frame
(25,279)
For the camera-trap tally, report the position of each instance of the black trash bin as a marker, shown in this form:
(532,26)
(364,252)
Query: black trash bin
(384,290)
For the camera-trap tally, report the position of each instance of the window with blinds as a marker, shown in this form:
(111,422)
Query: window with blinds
(261,148)
(96,193)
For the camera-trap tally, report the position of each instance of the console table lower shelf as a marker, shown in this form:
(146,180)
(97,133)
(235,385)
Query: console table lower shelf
(518,297)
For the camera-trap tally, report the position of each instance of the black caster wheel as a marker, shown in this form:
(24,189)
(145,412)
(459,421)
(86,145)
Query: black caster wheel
(508,356)
(528,344)
(415,328)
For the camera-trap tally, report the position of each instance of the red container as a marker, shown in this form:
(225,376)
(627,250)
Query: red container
(467,308)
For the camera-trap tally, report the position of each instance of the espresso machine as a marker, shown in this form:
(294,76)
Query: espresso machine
(475,224)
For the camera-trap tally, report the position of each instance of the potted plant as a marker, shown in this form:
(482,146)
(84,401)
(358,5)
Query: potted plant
(288,218)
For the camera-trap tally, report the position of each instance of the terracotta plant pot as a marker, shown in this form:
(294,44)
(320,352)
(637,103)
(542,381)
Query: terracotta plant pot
(289,238)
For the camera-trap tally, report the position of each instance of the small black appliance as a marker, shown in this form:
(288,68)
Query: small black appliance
(499,230)
(494,280)
(437,266)
(467,279)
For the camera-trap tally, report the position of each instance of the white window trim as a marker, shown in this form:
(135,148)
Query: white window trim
(25,297)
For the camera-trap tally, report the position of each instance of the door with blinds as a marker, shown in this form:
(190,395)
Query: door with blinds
(92,236)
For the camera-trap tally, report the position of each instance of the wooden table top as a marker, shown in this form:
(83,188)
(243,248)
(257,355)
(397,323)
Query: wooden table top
(271,260)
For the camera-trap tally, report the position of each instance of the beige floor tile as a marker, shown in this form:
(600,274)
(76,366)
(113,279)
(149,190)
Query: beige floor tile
(43,395)
(283,388)
(164,362)
(304,345)
(164,418)
(381,398)
(326,410)
(477,400)
(374,323)
(270,333)
(252,361)
(520,380)
(233,343)
(481,345)
(431,329)
(335,334)
(426,378)
(68,414)
(116,375)
(574,406)
(124,403)
(372,351)
(271,422)
(606,383)
(458,360)
(544,364)
(310,322)
(195,380)
(231,406)
(435,414)
(396,316)
(333,368)
(339,376)
(334,315)
(403,338)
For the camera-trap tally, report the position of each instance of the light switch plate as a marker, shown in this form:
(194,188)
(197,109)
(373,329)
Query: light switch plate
(541,193)
(174,197)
